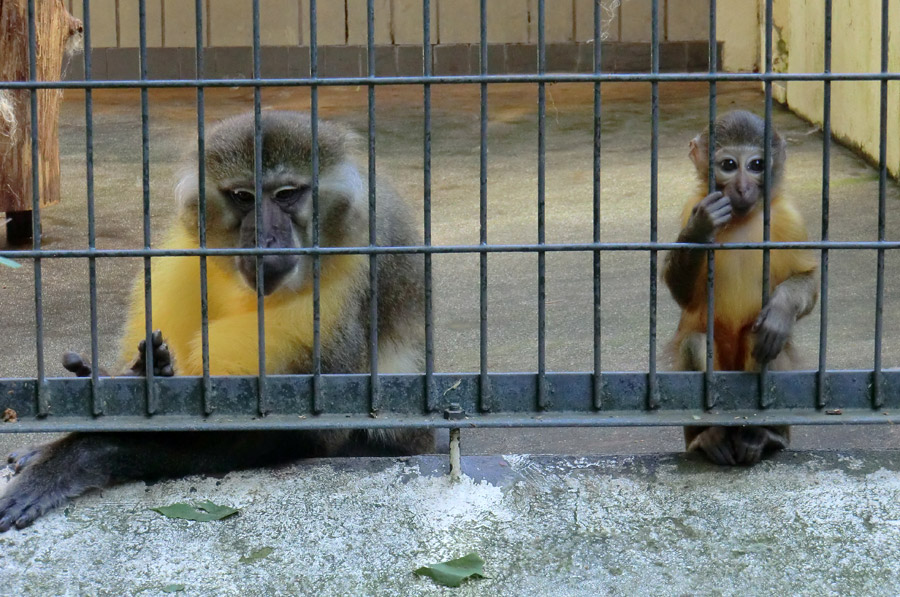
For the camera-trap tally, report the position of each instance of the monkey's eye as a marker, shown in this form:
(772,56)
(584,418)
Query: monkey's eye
(242,197)
(756,165)
(289,194)
(728,165)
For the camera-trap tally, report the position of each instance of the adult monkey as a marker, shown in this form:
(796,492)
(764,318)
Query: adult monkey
(747,334)
(48,474)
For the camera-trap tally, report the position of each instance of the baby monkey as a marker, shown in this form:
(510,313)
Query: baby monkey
(747,334)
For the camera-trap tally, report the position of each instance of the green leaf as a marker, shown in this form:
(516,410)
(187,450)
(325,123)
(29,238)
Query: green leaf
(257,555)
(202,512)
(173,588)
(453,572)
(9,263)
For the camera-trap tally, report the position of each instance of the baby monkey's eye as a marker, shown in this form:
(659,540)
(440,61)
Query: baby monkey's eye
(755,165)
(728,165)
(241,196)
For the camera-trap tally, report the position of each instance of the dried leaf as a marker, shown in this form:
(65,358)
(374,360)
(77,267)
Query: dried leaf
(259,554)
(453,572)
(202,512)
(453,387)
(10,416)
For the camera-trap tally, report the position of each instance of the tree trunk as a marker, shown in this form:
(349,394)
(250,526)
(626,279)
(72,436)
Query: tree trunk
(54,27)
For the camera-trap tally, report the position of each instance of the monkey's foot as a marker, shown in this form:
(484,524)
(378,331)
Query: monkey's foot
(162,358)
(26,498)
(737,445)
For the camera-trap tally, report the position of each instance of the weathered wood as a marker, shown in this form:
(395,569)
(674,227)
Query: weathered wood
(54,27)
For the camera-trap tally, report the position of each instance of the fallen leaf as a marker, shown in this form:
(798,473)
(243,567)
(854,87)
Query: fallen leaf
(202,512)
(834,411)
(173,588)
(259,554)
(10,416)
(453,572)
(9,263)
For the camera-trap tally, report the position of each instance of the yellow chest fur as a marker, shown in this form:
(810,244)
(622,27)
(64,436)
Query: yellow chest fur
(232,313)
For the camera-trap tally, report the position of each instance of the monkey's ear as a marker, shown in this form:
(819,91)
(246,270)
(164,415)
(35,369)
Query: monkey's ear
(698,154)
(187,189)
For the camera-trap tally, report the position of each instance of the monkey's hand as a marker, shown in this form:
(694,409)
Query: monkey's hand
(80,365)
(708,216)
(45,477)
(162,358)
(773,329)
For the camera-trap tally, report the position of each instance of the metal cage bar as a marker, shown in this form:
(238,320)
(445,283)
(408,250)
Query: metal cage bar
(484,388)
(208,405)
(765,399)
(426,207)
(262,403)
(317,259)
(597,388)
(877,374)
(652,384)
(96,403)
(542,401)
(822,382)
(374,386)
(150,393)
(709,376)
(41,393)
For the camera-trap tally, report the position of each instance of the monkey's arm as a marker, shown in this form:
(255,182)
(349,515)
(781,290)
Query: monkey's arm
(48,475)
(683,266)
(791,300)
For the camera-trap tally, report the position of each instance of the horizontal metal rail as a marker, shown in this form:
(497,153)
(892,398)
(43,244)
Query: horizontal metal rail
(433,249)
(344,401)
(451,80)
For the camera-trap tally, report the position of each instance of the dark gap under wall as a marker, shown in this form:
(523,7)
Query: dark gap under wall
(391,60)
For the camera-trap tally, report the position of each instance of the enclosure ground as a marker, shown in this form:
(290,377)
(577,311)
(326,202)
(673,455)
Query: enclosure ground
(803,524)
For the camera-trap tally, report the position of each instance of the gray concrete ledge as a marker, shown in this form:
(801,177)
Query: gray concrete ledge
(823,523)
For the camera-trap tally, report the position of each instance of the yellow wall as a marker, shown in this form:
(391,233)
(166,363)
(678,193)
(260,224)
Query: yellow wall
(856,48)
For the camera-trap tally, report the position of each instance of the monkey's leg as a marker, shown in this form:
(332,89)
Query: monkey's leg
(736,445)
(52,473)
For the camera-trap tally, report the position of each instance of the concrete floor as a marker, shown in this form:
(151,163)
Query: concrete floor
(512,193)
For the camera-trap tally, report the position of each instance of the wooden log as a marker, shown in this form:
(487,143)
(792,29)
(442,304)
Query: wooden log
(55,29)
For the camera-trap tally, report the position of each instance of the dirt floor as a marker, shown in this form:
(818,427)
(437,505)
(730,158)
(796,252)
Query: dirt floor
(512,208)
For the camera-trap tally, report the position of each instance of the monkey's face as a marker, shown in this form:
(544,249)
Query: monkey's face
(739,174)
(285,205)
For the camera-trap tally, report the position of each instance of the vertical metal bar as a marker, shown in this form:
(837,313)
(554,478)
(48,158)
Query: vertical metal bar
(207,393)
(598,368)
(541,176)
(764,393)
(261,401)
(652,400)
(709,376)
(41,397)
(484,387)
(149,387)
(877,397)
(426,181)
(317,259)
(96,399)
(821,388)
(374,401)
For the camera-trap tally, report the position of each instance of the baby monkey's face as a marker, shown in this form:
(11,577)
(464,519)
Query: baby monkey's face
(739,174)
